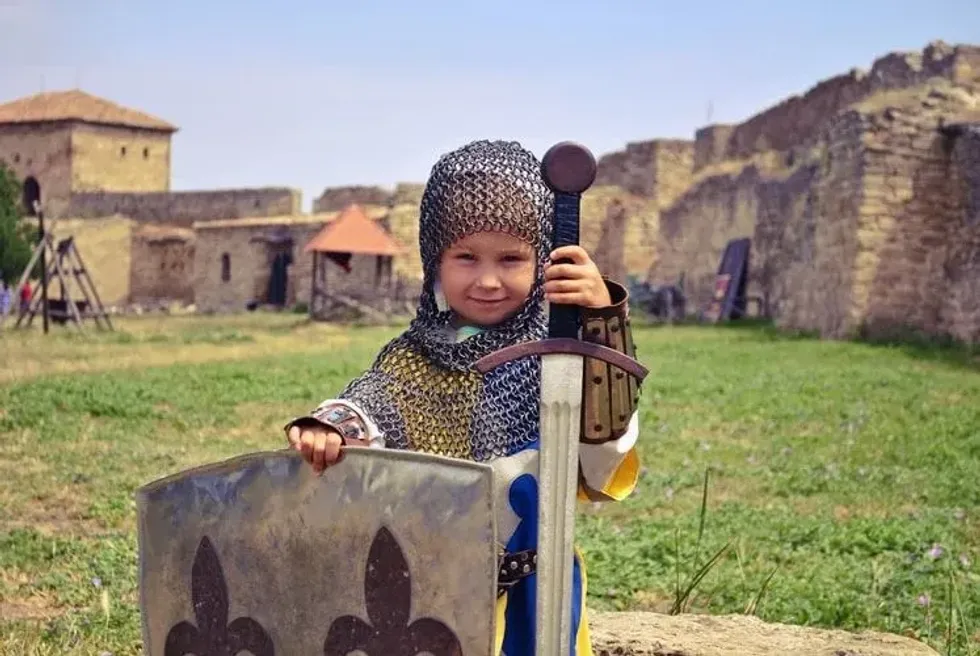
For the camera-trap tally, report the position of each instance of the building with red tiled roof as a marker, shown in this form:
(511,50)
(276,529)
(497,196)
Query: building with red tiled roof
(77,106)
(60,143)
(352,232)
(352,261)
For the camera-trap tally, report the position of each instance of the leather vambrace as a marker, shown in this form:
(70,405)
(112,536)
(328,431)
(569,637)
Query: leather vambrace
(336,417)
(610,395)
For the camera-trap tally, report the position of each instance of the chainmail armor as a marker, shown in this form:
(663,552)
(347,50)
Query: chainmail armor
(422,390)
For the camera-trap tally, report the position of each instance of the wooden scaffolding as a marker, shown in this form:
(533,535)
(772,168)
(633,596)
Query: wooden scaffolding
(61,263)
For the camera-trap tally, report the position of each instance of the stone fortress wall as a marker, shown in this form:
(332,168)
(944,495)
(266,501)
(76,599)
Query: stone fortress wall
(860,196)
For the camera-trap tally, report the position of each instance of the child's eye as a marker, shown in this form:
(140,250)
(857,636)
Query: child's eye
(465,256)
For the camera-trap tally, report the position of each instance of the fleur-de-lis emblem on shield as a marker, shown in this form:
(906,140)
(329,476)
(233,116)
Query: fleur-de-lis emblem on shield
(388,596)
(213,636)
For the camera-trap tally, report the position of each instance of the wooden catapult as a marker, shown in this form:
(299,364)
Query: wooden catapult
(63,263)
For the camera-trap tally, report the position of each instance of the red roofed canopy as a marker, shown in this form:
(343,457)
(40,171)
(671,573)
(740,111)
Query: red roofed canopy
(353,232)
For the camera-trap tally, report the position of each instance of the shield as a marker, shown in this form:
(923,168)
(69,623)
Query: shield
(386,553)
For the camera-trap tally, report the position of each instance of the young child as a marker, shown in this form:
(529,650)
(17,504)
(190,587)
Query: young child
(485,235)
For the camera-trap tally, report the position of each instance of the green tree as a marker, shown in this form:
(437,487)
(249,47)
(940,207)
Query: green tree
(16,235)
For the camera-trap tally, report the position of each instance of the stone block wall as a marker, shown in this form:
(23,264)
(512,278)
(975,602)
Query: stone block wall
(809,268)
(917,186)
(960,312)
(407,193)
(796,120)
(365,282)
(649,168)
(335,199)
(673,170)
(249,255)
(631,169)
(162,269)
(694,230)
(104,246)
(609,253)
(44,153)
(904,223)
(183,208)
(711,144)
(872,230)
(119,159)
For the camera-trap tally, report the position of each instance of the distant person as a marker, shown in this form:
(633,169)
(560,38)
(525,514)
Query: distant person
(25,296)
(4,299)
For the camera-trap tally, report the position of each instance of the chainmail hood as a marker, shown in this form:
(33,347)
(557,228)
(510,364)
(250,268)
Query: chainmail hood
(492,186)
(422,390)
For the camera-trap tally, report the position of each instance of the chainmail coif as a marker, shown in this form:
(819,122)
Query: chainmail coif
(422,390)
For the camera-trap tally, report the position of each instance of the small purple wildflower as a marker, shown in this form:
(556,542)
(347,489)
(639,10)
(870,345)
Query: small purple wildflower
(936,552)
(923,599)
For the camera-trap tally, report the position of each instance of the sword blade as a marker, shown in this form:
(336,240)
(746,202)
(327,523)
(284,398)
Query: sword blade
(561,412)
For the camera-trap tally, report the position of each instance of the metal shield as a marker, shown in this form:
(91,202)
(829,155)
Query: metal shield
(388,553)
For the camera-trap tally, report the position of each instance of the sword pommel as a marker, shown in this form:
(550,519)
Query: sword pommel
(568,168)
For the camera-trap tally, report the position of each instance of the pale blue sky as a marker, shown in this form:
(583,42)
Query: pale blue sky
(316,94)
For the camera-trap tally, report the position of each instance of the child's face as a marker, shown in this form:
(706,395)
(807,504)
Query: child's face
(487,276)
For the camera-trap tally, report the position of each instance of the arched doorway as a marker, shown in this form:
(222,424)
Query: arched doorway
(32,194)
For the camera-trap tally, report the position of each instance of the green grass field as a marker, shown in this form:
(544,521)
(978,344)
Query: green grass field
(849,470)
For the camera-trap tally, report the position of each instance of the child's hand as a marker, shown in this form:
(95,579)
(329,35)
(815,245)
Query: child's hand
(319,445)
(575,283)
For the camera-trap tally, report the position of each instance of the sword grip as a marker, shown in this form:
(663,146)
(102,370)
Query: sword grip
(564,320)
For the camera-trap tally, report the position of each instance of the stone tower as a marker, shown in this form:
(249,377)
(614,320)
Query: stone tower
(63,142)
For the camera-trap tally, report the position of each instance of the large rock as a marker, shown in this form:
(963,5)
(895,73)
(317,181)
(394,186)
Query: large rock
(653,634)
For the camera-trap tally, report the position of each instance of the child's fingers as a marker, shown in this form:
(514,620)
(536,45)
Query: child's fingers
(564,285)
(326,449)
(319,452)
(575,253)
(306,445)
(331,453)
(556,271)
(293,437)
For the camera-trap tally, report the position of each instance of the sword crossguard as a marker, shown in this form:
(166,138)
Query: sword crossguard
(562,345)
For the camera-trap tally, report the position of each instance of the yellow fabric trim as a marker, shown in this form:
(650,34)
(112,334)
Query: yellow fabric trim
(500,624)
(623,481)
(583,639)
(621,484)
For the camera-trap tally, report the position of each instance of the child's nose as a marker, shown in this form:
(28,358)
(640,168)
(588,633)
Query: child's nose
(488,280)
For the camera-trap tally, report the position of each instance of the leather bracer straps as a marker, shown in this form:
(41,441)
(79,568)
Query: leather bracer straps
(610,395)
(335,416)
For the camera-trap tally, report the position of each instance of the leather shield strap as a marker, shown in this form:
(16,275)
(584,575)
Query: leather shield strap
(562,345)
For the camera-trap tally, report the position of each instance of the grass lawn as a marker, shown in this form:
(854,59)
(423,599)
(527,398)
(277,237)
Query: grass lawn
(849,470)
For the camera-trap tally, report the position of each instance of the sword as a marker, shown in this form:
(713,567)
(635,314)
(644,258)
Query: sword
(569,169)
